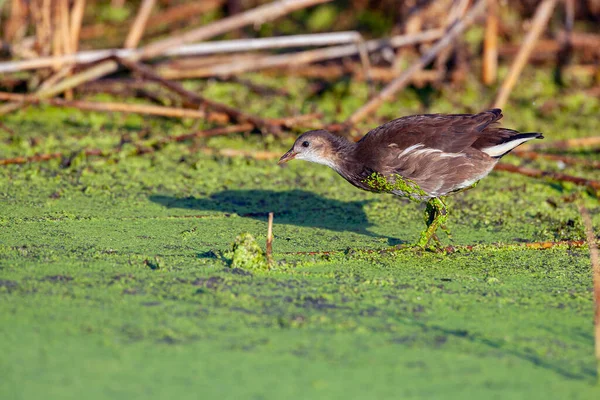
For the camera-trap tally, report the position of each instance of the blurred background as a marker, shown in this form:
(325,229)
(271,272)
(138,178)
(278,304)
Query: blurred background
(223,67)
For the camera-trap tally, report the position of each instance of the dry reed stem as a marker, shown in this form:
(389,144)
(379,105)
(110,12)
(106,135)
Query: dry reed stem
(16,25)
(533,155)
(546,48)
(540,21)
(56,37)
(381,74)
(595,262)
(490,44)
(255,16)
(217,47)
(457,12)
(139,24)
(259,14)
(566,144)
(306,57)
(553,176)
(194,98)
(403,80)
(76,20)
(173,112)
(65,27)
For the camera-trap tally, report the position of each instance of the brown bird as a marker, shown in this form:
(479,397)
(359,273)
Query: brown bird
(422,157)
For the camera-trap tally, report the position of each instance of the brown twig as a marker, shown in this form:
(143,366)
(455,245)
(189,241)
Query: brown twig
(546,49)
(565,144)
(194,98)
(553,176)
(533,155)
(173,112)
(595,261)
(399,83)
(308,56)
(257,88)
(381,74)
(26,160)
(540,20)
(139,24)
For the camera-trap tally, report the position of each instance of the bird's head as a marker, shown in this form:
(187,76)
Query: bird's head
(319,146)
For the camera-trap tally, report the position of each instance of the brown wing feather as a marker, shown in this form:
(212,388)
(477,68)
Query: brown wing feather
(443,134)
(450,133)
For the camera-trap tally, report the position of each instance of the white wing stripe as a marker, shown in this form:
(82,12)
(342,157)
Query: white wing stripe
(409,149)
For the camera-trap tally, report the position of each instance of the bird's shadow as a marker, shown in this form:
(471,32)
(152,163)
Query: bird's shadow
(292,207)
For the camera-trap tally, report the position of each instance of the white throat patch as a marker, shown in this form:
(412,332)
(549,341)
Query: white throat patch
(311,156)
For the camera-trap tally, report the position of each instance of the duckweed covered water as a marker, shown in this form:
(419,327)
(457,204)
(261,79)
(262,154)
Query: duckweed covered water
(116,278)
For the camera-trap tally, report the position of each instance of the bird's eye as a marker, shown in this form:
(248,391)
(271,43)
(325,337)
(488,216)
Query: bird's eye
(305,144)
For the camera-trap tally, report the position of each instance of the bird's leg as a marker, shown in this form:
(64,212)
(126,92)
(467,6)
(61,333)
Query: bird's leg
(435,216)
(444,212)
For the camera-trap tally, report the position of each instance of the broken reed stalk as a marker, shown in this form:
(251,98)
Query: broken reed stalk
(553,176)
(402,81)
(490,44)
(194,98)
(540,21)
(270,238)
(162,111)
(263,13)
(595,261)
(310,56)
(139,24)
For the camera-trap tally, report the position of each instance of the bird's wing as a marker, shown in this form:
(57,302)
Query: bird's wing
(449,133)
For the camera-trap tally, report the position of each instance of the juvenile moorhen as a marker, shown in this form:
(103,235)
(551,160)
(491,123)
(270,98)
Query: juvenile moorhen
(422,157)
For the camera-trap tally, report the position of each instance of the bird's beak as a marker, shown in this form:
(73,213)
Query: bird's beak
(290,155)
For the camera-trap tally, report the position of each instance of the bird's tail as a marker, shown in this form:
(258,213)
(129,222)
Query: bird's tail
(509,143)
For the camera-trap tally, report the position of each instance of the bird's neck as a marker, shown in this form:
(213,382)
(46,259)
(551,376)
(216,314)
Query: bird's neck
(342,152)
(345,160)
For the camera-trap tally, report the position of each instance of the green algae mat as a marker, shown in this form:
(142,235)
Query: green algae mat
(116,279)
